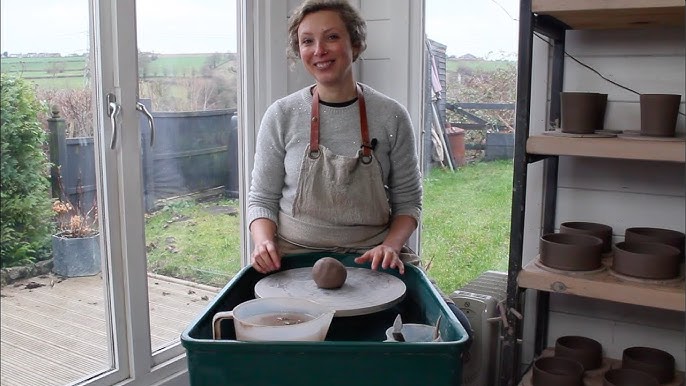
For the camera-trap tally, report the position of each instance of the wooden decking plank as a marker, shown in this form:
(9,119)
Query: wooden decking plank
(93,347)
(61,321)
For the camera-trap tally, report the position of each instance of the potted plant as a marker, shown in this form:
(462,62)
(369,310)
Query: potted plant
(75,246)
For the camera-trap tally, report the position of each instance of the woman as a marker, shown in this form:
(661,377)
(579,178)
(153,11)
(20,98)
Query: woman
(335,166)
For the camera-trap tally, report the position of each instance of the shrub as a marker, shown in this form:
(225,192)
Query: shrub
(25,204)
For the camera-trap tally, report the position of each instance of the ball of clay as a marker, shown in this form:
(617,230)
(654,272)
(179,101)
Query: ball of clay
(329,273)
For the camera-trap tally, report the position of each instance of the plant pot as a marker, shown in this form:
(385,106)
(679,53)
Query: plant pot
(628,377)
(556,371)
(581,112)
(659,113)
(654,261)
(570,251)
(586,351)
(601,231)
(660,364)
(73,257)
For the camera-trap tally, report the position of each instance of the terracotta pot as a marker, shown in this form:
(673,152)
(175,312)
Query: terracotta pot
(659,113)
(586,351)
(571,252)
(656,235)
(603,232)
(646,260)
(628,377)
(580,112)
(658,363)
(557,371)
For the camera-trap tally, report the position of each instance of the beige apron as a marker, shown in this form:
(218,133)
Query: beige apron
(341,202)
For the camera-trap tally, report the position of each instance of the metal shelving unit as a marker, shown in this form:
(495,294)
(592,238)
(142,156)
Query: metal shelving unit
(552,18)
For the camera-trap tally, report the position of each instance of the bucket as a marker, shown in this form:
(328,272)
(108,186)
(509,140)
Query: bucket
(277,319)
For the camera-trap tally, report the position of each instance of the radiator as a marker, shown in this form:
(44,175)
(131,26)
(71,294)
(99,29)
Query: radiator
(479,301)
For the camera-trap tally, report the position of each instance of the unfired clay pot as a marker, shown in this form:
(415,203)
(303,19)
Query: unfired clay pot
(601,101)
(657,363)
(656,235)
(570,252)
(557,371)
(586,351)
(653,261)
(628,377)
(602,231)
(580,112)
(659,113)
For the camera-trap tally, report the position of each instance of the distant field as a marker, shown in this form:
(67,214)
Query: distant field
(453,65)
(71,74)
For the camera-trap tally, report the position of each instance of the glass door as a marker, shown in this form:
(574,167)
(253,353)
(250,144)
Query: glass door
(57,306)
(187,73)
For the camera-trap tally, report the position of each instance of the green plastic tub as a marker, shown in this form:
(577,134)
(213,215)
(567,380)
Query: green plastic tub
(354,352)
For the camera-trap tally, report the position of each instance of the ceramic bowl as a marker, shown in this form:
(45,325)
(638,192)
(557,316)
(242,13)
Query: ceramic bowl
(602,231)
(628,377)
(586,351)
(658,363)
(570,252)
(656,235)
(654,261)
(557,371)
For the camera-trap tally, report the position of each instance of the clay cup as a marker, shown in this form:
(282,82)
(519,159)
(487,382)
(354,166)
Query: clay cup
(655,261)
(557,371)
(570,251)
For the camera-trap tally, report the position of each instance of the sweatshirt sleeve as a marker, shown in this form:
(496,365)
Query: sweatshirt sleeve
(405,182)
(268,171)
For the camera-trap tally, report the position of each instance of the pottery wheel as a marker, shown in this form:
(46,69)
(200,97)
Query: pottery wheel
(364,292)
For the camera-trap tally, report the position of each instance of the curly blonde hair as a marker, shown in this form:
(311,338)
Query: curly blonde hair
(354,23)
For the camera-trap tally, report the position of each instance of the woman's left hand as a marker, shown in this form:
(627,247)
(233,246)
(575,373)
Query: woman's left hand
(384,256)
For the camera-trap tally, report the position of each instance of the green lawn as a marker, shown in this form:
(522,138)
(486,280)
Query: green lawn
(466,223)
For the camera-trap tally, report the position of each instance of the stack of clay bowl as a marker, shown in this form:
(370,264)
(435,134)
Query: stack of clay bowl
(642,366)
(570,250)
(649,253)
(582,112)
(659,113)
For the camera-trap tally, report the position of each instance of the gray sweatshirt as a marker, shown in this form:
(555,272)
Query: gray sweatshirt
(285,134)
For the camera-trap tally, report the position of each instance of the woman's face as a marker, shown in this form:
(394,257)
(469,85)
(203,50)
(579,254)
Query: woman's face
(325,48)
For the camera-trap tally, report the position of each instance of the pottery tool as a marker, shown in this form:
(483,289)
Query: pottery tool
(397,329)
(364,292)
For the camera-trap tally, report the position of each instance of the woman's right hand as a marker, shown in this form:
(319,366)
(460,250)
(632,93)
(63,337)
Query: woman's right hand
(266,257)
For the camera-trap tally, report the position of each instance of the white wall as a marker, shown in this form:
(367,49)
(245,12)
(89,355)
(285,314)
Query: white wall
(618,193)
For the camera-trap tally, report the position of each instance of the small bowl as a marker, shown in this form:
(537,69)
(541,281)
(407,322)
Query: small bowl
(628,377)
(654,261)
(656,235)
(571,252)
(586,351)
(557,371)
(658,363)
(602,231)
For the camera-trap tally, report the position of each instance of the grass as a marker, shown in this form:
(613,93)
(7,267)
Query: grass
(466,222)
(465,230)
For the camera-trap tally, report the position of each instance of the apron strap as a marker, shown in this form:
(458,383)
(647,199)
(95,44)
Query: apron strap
(367,146)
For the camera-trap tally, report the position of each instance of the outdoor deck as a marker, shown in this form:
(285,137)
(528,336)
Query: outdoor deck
(57,334)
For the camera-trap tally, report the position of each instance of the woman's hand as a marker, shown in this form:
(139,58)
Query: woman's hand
(384,256)
(265,257)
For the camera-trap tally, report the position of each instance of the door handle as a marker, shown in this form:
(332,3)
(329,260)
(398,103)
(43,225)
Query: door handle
(141,107)
(113,109)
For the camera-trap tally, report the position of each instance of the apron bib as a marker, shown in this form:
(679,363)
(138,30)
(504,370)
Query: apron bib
(340,202)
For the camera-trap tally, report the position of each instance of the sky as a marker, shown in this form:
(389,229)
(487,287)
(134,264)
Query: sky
(484,28)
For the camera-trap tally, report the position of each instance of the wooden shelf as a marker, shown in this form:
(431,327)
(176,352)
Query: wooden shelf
(595,377)
(613,14)
(620,148)
(604,286)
